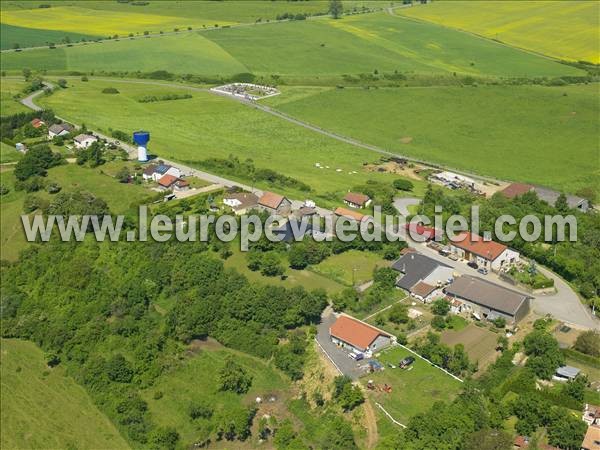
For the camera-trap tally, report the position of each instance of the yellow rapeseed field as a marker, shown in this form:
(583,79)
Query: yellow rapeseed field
(97,22)
(562,29)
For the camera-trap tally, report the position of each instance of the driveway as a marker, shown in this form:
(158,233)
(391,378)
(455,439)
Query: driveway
(402,204)
(347,366)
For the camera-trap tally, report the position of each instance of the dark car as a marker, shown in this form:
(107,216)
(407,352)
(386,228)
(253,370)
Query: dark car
(472,264)
(406,362)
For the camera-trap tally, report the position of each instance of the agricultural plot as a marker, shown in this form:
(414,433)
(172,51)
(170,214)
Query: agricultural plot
(499,131)
(480,343)
(379,41)
(414,390)
(566,30)
(209,126)
(19,37)
(44,408)
(321,47)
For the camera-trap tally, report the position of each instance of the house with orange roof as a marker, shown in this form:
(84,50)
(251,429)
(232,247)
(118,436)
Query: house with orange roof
(357,336)
(349,214)
(488,254)
(274,204)
(357,200)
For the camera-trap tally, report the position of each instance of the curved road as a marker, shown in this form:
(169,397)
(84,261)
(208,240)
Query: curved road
(564,305)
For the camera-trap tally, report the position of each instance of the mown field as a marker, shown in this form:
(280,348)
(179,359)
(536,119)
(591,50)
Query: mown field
(480,343)
(45,408)
(413,391)
(12,36)
(520,133)
(207,125)
(351,268)
(566,30)
(320,47)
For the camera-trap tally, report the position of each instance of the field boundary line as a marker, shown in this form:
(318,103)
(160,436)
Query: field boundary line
(389,416)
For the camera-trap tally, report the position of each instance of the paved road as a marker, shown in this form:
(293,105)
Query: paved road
(402,204)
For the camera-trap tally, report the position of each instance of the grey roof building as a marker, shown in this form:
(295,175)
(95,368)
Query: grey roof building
(489,298)
(550,196)
(415,267)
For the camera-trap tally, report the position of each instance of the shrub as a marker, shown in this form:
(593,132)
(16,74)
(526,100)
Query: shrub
(110,90)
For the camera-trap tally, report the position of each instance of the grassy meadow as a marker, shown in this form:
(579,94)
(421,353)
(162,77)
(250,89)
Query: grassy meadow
(71,177)
(12,36)
(414,390)
(8,90)
(350,268)
(196,380)
(519,133)
(311,48)
(45,408)
(8,154)
(565,30)
(207,125)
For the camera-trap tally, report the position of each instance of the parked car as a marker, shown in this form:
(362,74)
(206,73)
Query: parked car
(443,252)
(483,271)
(356,356)
(406,362)
(472,264)
(453,257)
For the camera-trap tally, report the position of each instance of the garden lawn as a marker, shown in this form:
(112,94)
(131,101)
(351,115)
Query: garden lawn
(8,89)
(566,30)
(305,278)
(210,126)
(45,408)
(350,268)
(197,380)
(540,135)
(414,390)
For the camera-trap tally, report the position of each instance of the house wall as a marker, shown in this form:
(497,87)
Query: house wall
(285,207)
(506,258)
(379,343)
(173,171)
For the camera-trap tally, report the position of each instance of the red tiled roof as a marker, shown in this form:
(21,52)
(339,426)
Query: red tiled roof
(349,214)
(167,180)
(515,189)
(36,123)
(475,244)
(356,198)
(271,200)
(422,230)
(521,442)
(422,289)
(354,332)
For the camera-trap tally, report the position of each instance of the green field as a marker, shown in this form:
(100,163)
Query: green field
(350,268)
(305,278)
(500,131)
(319,47)
(9,154)
(197,380)
(9,88)
(566,30)
(413,391)
(11,36)
(208,126)
(71,177)
(45,408)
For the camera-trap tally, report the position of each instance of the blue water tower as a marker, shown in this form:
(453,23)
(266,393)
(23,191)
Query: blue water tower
(141,138)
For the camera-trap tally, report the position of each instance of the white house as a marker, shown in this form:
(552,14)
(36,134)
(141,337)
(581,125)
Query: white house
(489,254)
(155,172)
(84,140)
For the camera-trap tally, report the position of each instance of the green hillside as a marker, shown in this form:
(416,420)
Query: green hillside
(44,408)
